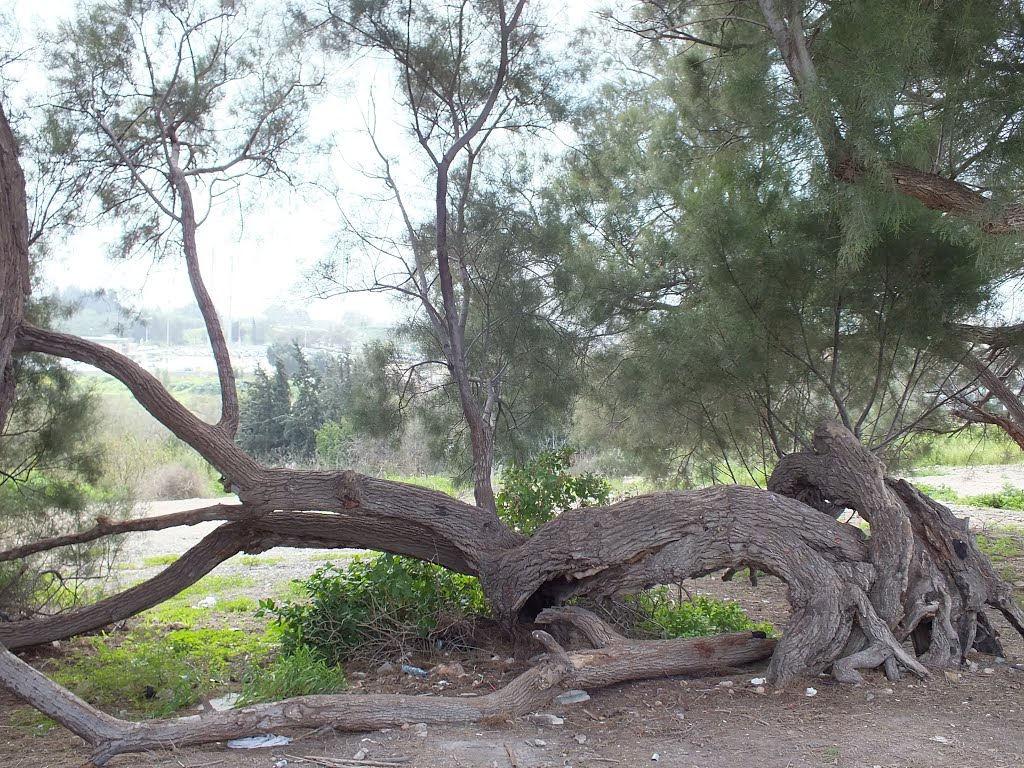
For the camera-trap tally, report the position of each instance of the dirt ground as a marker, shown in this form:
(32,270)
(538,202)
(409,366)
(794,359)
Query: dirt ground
(973,718)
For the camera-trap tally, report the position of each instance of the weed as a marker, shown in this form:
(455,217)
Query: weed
(252,561)
(302,672)
(156,673)
(972,446)
(433,482)
(236,605)
(940,493)
(31,721)
(213,585)
(149,562)
(999,548)
(1008,498)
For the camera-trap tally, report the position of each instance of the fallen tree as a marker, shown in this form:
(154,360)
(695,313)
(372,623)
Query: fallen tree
(919,578)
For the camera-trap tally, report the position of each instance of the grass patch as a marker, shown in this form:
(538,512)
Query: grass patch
(971,446)
(940,493)
(175,654)
(253,561)
(1008,498)
(335,557)
(154,672)
(214,585)
(300,673)
(150,562)
(433,482)
(1000,547)
(30,721)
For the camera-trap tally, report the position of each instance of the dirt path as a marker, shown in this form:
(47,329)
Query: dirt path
(973,719)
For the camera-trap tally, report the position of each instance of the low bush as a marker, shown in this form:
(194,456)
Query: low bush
(377,607)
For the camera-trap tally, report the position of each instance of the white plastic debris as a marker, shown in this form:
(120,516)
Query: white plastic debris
(207,602)
(572,697)
(227,701)
(545,718)
(655,757)
(811,692)
(260,742)
(758,681)
(942,739)
(415,671)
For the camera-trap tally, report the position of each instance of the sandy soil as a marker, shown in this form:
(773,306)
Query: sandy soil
(969,719)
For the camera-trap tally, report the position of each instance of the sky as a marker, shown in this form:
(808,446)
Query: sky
(258,258)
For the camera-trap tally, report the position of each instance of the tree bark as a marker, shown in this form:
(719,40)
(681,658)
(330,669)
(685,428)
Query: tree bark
(14,269)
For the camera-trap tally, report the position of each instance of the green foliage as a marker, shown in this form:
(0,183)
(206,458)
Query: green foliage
(51,467)
(302,672)
(1008,498)
(155,672)
(534,492)
(433,482)
(1000,547)
(972,446)
(155,560)
(940,493)
(31,721)
(253,561)
(696,617)
(376,605)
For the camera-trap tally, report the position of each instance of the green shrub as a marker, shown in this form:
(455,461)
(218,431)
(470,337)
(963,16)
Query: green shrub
(302,672)
(376,606)
(1008,498)
(533,493)
(696,617)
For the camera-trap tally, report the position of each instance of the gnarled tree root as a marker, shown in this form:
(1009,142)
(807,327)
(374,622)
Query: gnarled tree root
(616,661)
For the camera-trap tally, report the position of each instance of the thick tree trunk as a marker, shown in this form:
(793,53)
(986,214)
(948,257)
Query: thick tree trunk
(14,271)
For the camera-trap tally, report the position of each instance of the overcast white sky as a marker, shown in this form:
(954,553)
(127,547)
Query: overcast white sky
(256,259)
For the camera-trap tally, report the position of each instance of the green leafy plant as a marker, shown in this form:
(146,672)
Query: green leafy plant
(534,492)
(155,672)
(303,672)
(696,617)
(376,606)
(1008,498)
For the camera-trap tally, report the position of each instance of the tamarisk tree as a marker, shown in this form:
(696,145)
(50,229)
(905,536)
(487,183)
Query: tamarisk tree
(916,596)
(473,80)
